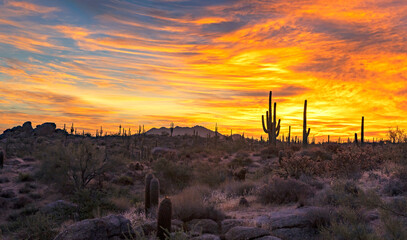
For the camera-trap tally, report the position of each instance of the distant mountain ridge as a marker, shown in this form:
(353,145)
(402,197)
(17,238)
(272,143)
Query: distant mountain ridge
(180,131)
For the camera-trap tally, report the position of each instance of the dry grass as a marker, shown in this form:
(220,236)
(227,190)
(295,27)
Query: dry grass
(192,204)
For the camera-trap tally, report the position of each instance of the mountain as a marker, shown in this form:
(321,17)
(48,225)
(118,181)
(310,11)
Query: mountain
(180,131)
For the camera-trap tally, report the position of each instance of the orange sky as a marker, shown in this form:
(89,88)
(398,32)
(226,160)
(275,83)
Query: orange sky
(205,62)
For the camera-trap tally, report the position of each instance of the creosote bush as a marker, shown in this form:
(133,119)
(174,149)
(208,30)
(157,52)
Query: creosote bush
(280,191)
(172,175)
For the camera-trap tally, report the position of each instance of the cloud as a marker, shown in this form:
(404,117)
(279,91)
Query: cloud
(204,62)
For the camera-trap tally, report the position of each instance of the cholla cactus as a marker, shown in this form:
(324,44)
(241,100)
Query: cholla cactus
(164,219)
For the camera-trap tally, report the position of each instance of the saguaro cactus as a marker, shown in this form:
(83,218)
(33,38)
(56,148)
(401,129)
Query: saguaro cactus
(271,127)
(154,192)
(356,138)
(362,136)
(289,135)
(147,204)
(305,134)
(164,219)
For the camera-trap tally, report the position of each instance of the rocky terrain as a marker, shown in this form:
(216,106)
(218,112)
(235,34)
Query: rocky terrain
(55,185)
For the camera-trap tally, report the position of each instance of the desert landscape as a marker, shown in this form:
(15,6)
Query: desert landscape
(203,120)
(194,183)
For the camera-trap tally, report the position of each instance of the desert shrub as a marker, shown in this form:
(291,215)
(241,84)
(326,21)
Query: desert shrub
(269,152)
(124,180)
(92,203)
(240,162)
(350,160)
(312,181)
(348,224)
(340,194)
(36,226)
(237,189)
(210,175)
(280,191)
(319,218)
(394,187)
(191,204)
(75,164)
(172,175)
(298,165)
(393,227)
(25,177)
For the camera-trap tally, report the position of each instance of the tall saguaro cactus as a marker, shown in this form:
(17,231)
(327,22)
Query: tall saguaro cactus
(305,134)
(154,192)
(362,134)
(271,127)
(147,204)
(289,135)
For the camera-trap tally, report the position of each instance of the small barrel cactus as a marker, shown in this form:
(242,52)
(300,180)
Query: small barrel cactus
(147,193)
(164,219)
(154,192)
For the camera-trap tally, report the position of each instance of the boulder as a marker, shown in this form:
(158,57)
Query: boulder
(203,226)
(268,238)
(227,224)
(245,233)
(293,223)
(61,208)
(27,127)
(296,233)
(106,228)
(45,129)
(206,237)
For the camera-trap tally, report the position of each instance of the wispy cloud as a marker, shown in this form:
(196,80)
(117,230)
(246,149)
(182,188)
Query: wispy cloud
(200,62)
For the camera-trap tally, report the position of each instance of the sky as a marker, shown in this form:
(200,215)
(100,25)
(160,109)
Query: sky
(112,62)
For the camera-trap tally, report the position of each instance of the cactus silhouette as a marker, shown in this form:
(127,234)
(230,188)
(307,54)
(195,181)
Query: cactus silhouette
(271,127)
(147,204)
(172,128)
(362,134)
(356,138)
(154,192)
(289,135)
(305,134)
(164,219)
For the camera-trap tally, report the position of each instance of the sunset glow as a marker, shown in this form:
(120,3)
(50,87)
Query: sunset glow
(106,63)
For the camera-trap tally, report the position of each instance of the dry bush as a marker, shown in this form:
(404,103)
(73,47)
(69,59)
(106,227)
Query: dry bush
(172,175)
(349,224)
(280,191)
(350,160)
(209,174)
(237,189)
(297,165)
(319,217)
(191,204)
(269,152)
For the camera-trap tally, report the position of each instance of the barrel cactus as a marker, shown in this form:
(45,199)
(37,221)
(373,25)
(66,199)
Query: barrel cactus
(164,219)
